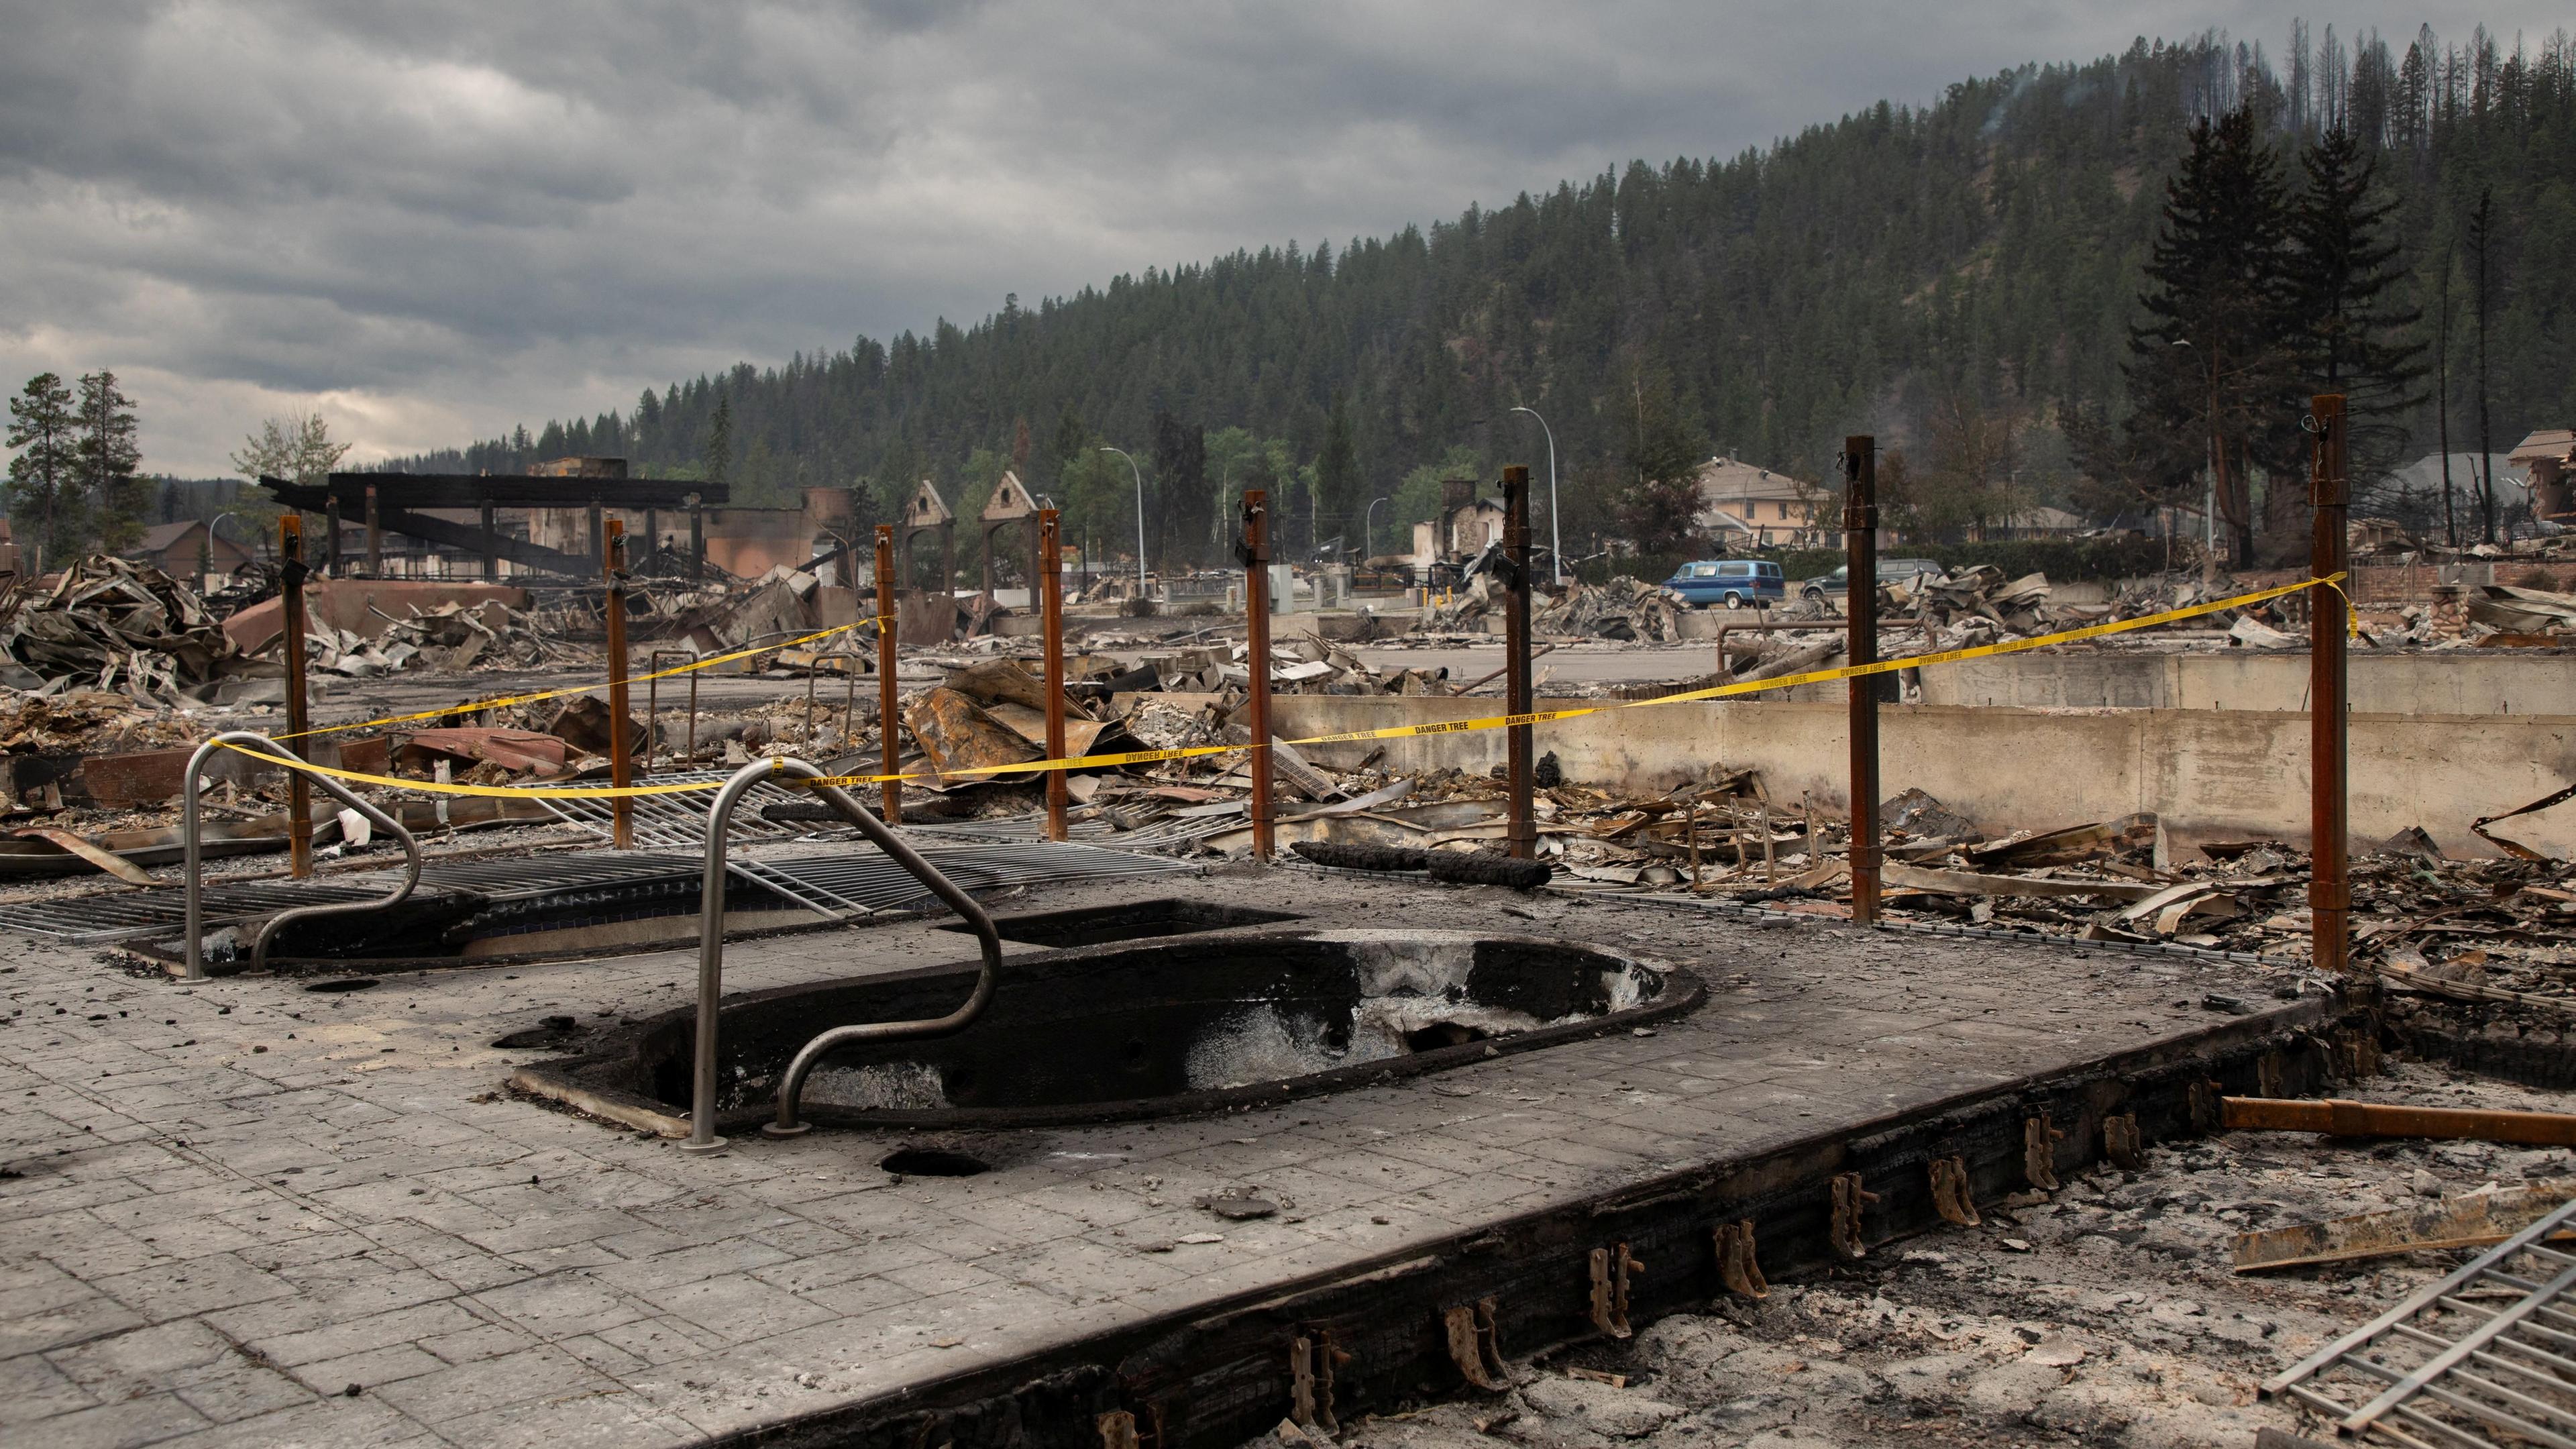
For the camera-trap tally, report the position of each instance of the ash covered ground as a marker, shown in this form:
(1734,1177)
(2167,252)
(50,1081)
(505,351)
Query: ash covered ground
(2102,1314)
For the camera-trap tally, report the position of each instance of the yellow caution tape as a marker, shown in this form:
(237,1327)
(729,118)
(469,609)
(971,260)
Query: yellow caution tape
(507,792)
(1391,732)
(510,699)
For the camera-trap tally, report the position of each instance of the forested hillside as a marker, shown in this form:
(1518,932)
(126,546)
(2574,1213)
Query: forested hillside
(1960,278)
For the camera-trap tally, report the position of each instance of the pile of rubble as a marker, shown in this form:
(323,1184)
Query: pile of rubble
(114,625)
(2484,929)
(449,638)
(1976,605)
(1623,608)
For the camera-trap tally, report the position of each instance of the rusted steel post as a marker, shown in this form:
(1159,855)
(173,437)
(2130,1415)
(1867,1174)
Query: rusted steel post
(1255,553)
(299,719)
(1521,836)
(886,723)
(621,768)
(375,538)
(1048,581)
(2329,877)
(1860,554)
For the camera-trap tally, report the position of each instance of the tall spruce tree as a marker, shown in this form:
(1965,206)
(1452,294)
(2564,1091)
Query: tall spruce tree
(1180,479)
(2353,332)
(44,488)
(2212,370)
(717,458)
(108,458)
(1337,480)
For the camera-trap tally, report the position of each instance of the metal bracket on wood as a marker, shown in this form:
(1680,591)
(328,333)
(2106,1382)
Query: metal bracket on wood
(1610,1273)
(2039,1152)
(2120,1142)
(2357,1052)
(2267,1075)
(1735,1261)
(1311,1361)
(1475,1346)
(2204,1097)
(1950,1196)
(1850,1198)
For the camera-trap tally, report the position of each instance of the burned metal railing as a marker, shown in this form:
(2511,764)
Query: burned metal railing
(190,834)
(702,1094)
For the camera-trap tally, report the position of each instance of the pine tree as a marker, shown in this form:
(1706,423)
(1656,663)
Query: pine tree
(44,500)
(718,455)
(1659,510)
(108,458)
(2352,334)
(2212,371)
(1180,479)
(1337,479)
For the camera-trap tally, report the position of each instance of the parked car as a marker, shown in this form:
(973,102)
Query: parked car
(1890,571)
(1736,583)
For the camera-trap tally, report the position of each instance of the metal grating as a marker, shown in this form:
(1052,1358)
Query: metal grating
(2486,1354)
(839,885)
(160,910)
(679,822)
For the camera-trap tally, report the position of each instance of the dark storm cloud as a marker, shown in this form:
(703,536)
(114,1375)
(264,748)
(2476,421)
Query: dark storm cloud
(435,220)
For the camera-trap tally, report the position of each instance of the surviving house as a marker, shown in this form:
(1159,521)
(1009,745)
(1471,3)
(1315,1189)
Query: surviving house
(186,550)
(1745,506)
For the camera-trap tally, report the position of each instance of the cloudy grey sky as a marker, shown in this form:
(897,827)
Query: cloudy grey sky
(434,220)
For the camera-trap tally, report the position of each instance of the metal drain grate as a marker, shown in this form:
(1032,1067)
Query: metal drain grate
(2490,1348)
(163,910)
(840,885)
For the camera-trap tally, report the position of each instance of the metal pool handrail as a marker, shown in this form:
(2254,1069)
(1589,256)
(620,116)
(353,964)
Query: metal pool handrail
(702,1095)
(195,884)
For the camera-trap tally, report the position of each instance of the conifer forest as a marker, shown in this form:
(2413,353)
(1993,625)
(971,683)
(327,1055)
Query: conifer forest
(2062,284)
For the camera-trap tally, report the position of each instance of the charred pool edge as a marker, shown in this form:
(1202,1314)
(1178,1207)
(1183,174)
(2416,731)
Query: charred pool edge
(1216,1376)
(567,1080)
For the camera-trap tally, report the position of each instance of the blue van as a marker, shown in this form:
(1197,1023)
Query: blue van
(1736,583)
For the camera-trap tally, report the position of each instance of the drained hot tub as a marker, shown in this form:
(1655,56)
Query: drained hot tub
(1133,1030)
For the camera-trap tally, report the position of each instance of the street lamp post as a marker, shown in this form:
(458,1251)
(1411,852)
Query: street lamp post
(1367,519)
(1555,530)
(1140,515)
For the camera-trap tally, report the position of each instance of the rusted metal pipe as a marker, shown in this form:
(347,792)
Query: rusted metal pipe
(1048,580)
(299,720)
(621,762)
(2369,1119)
(653,704)
(1255,553)
(1729,626)
(849,689)
(1860,555)
(2329,846)
(886,721)
(1521,831)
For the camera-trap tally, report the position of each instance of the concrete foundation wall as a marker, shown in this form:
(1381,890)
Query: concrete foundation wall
(2210,775)
(2453,681)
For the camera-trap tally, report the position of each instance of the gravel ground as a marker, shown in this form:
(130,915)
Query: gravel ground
(2103,1314)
